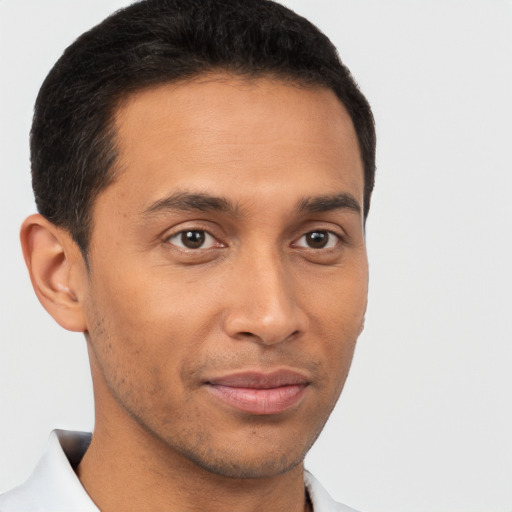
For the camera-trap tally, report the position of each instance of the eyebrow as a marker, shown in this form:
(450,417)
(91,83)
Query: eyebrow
(325,203)
(183,201)
(202,202)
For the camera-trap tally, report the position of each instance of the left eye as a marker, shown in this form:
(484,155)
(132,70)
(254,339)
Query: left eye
(318,240)
(193,239)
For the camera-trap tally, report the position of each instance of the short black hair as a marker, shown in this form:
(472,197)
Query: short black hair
(152,42)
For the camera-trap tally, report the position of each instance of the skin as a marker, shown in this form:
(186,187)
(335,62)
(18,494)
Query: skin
(162,320)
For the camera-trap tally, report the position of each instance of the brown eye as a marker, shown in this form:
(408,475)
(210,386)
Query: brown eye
(193,239)
(318,240)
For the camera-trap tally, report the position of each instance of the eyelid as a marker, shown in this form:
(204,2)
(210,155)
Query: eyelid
(192,226)
(210,240)
(338,239)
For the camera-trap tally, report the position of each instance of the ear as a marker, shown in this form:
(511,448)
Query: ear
(57,271)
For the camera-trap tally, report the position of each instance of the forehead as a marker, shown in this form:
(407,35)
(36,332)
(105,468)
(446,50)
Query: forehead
(237,133)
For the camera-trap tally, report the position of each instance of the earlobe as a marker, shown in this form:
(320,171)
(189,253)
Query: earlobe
(56,269)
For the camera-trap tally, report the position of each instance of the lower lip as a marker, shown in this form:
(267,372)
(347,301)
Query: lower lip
(260,401)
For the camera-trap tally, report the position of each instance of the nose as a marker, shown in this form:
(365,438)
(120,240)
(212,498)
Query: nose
(264,306)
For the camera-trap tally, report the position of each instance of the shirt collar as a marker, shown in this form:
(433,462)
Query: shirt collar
(54,486)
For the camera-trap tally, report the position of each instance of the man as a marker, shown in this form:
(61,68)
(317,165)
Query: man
(203,171)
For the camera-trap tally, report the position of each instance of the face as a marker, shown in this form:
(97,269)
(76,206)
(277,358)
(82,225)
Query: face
(228,272)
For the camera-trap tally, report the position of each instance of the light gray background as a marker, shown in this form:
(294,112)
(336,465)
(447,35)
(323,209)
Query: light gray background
(425,421)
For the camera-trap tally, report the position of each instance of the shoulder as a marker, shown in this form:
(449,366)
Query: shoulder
(322,501)
(17,500)
(53,485)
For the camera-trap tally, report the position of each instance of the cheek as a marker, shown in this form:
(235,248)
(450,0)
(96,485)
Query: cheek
(122,330)
(337,318)
(337,304)
(144,329)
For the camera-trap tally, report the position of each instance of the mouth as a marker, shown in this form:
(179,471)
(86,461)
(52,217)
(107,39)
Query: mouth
(260,393)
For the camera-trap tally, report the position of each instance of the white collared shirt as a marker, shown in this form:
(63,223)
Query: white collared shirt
(54,486)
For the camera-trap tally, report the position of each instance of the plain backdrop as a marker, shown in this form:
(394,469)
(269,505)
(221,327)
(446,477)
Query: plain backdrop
(425,421)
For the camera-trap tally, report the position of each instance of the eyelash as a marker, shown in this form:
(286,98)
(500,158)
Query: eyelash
(204,236)
(331,236)
(184,232)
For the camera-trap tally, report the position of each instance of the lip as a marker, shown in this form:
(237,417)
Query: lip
(260,393)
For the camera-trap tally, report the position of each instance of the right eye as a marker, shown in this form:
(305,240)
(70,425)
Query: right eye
(193,239)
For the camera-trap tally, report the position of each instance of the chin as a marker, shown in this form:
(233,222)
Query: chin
(244,458)
(243,467)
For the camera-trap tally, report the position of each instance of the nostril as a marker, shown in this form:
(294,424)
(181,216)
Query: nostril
(263,338)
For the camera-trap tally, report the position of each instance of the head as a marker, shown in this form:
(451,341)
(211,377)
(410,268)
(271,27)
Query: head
(204,170)
(73,145)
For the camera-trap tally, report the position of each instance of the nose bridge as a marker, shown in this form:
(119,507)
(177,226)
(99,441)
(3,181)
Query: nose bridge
(265,306)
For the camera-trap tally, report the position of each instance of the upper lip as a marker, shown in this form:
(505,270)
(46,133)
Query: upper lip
(261,380)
